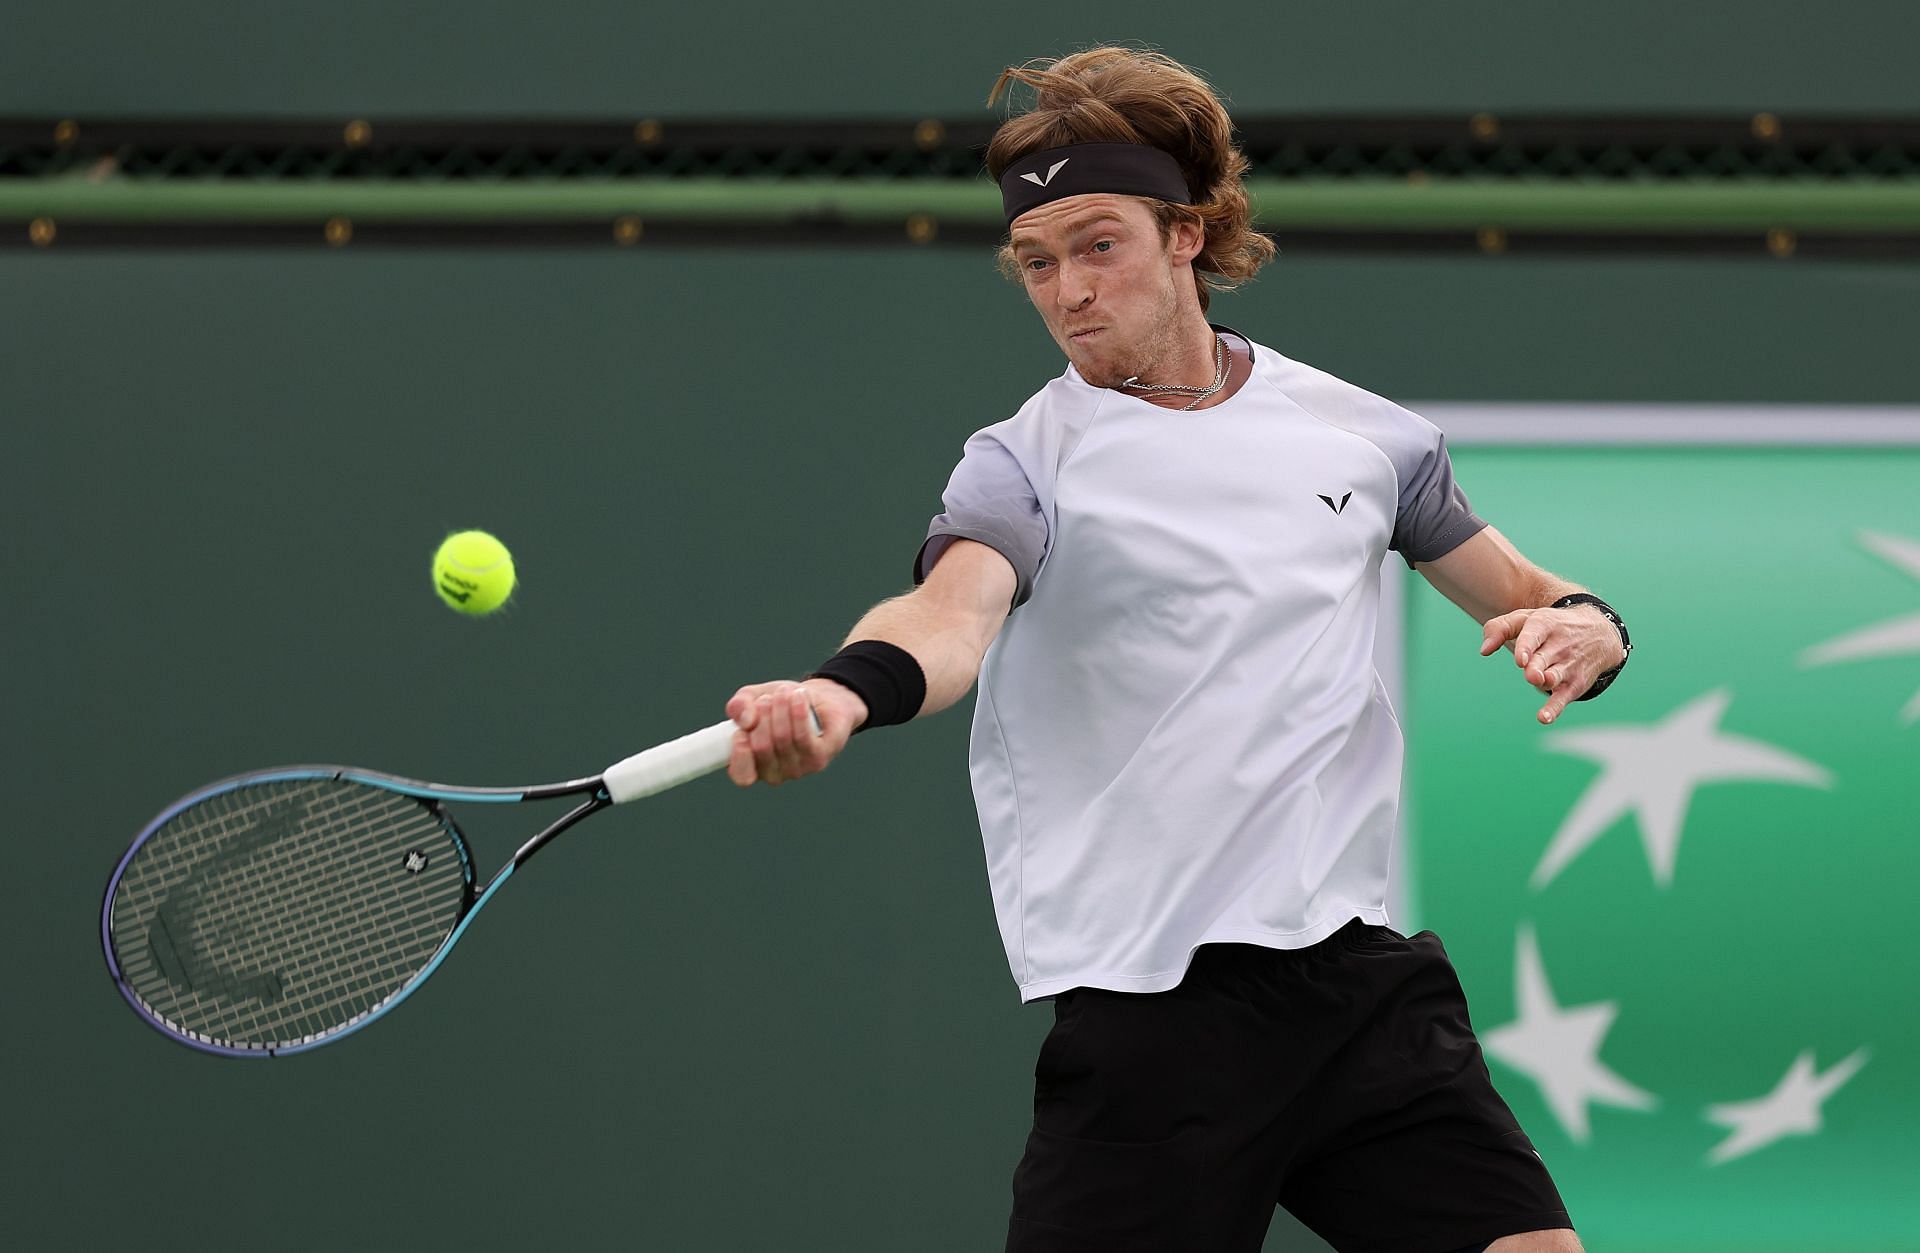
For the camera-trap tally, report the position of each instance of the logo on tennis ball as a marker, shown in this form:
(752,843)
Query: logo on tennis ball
(473,572)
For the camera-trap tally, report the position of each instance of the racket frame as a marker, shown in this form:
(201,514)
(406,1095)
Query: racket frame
(436,794)
(645,773)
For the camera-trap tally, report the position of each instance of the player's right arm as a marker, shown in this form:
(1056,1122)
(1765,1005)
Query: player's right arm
(947,624)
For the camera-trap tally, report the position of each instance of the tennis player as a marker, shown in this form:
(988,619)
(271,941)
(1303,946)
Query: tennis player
(1163,572)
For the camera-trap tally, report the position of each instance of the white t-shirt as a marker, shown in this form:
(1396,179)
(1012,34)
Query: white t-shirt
(1179,736)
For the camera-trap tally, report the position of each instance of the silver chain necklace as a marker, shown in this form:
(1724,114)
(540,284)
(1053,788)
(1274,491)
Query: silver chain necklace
(1198,393)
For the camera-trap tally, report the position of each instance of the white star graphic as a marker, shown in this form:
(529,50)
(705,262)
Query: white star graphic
(1559,1048)
(1791,1109)
(1652,769)
(1885,639)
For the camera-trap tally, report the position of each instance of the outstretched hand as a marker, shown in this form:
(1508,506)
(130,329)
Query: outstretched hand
(1561,651)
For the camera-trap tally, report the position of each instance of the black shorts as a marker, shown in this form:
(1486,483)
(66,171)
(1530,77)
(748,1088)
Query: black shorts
(1341,1081)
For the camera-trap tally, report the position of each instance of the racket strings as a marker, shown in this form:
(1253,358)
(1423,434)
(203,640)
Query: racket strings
(251,920)
(281,911)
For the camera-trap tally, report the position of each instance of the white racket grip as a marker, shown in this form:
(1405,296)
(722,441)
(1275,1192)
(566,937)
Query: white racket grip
(670,764)
(677,761)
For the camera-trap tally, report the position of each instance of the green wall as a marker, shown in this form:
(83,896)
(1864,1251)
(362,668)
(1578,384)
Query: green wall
(879,58)
(773,1020)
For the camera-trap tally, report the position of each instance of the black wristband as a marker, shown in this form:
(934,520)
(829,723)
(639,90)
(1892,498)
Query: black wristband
(884,675)
(1605,681)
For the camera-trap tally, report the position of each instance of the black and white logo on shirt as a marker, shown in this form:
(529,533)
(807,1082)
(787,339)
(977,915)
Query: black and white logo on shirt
(1341,507)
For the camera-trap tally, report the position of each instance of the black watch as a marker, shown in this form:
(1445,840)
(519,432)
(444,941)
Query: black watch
(1588,598)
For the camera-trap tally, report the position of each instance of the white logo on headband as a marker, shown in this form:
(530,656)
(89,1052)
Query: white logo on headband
(1037,181)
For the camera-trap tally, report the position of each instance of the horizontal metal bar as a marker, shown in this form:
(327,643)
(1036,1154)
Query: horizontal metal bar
(1762,425)
(1491,204)
(593,134)
(1253,130)
(71,234)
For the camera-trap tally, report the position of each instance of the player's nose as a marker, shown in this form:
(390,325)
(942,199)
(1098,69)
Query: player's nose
(1074,291)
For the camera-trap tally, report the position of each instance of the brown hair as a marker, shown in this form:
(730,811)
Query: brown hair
(1133,96)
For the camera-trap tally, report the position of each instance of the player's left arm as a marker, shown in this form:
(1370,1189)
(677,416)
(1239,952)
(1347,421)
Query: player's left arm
(1562,652)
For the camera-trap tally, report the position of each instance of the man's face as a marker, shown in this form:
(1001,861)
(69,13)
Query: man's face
(1111,290)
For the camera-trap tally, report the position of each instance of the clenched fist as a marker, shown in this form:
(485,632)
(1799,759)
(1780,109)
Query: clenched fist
(777,738)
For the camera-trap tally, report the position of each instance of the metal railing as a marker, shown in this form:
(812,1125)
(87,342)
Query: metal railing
(1763,184)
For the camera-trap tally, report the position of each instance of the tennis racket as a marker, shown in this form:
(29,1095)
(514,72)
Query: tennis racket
(280,910)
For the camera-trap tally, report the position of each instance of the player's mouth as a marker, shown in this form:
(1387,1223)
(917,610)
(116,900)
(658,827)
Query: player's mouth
(1081,337)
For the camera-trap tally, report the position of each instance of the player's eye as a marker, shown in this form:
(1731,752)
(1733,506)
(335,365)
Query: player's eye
(1036,263)
(1104,245)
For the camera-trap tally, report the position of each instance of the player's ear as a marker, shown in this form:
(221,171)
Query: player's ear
(1185,240)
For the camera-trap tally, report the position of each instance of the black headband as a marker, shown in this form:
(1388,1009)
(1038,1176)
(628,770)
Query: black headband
(1082,169)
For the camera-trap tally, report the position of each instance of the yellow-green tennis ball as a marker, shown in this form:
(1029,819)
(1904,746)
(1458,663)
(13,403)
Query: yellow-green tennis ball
(473,572)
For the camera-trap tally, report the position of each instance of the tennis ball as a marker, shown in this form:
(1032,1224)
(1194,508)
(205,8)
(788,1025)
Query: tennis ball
(473,572)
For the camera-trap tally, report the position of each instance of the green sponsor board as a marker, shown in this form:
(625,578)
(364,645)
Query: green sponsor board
(1681,912)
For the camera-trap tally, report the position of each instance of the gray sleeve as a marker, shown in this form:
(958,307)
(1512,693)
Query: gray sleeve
(1434,517)
(990,499)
